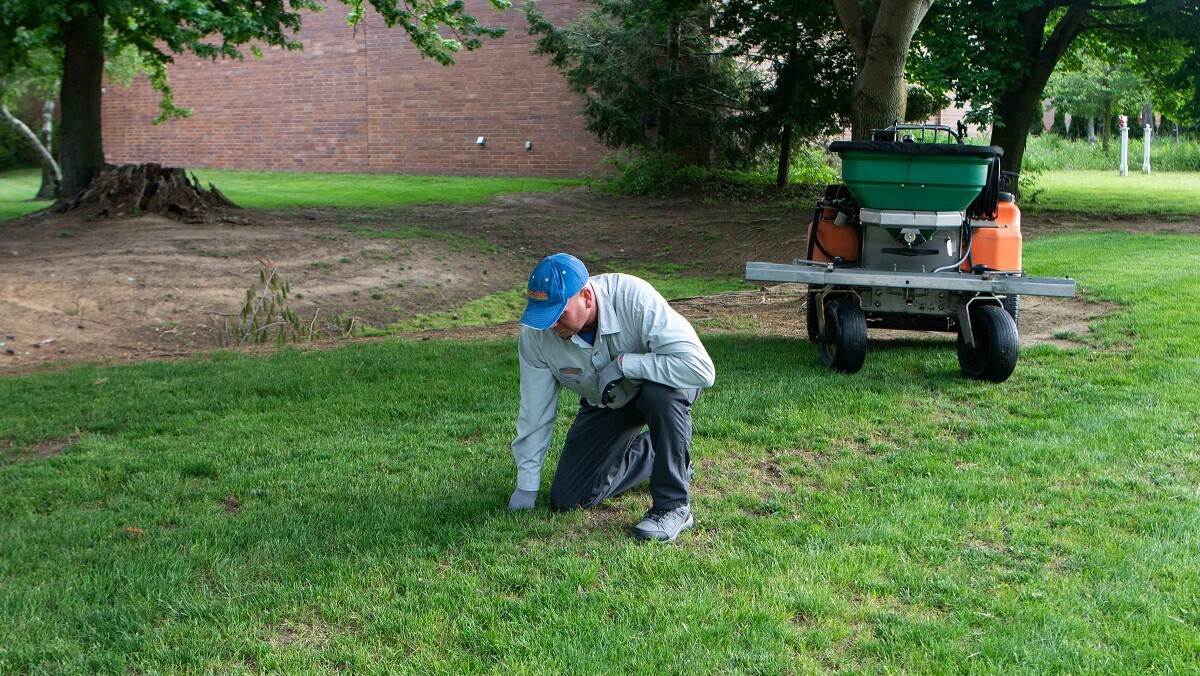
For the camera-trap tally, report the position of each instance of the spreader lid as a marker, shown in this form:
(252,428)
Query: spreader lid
(904,148)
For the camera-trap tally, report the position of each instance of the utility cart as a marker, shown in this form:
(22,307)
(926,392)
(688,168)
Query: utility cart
(920,237)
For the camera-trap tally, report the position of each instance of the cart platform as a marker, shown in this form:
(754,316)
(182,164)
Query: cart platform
(822,274)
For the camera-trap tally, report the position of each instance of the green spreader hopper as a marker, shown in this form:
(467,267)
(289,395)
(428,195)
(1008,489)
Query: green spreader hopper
(922,236)
(914,176)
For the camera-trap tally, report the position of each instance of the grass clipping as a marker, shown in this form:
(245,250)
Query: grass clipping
(267,318)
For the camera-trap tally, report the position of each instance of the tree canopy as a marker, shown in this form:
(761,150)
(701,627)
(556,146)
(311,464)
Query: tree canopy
(1000,55)
(1096,84)
(696,76)
(649,73)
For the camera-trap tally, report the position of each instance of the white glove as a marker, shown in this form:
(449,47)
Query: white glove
(522,500)
(609,377)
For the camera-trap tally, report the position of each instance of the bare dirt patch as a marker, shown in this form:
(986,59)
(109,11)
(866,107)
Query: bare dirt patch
(46,448)
(76,290)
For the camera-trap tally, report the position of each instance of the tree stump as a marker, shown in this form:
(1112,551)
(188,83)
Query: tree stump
(138,189)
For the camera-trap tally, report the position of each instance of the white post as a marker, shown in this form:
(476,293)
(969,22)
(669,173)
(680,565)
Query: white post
(1146,153)
(1123,170)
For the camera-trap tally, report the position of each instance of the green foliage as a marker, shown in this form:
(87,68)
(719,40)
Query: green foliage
(1098,85)
(14,150)
(644,173)
(982,50)
(1053,152)
(424,21)
(267,316)
(972,48)
(923,104)
(813,165)
(806,69)
(36,74)
(1168,57)
(648,73)
(343,510)
(743,79)
(657,173)
(35,78)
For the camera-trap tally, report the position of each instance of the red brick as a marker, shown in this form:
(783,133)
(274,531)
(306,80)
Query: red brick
(365,101)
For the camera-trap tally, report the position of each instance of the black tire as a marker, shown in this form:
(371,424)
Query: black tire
(1012,305)
(995,353)
(843,345)
(810,317)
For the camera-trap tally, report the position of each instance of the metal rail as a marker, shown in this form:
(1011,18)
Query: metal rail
(984,283)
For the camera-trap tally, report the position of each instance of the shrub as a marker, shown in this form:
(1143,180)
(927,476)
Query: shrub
(1053,152)
(644,173)
(658,173)
(14,149)
(814,165)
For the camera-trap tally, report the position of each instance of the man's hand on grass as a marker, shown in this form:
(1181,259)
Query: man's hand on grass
(521,500)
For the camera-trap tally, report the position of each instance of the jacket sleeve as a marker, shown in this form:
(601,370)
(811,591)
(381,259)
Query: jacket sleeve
(674,355)
(535,420)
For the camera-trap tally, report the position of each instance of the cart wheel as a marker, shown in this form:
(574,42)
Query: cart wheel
(995,353)
(843,345)
(1012,305)
(810,317)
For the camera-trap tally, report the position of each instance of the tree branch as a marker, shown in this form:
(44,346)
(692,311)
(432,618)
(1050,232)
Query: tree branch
(851,16)
(25,131)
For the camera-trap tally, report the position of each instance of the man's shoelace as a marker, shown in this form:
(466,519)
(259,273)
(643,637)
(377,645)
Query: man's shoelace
(658,516)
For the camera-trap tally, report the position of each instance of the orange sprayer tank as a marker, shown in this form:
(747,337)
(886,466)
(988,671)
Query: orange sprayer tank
(997,244)
(831,239)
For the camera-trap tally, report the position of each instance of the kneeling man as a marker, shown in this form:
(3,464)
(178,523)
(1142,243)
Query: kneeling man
(638,366)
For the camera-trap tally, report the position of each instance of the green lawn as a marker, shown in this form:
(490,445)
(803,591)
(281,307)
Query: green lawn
(17,188)
(267,190)
(343,510)
(1103,192)
(274,190)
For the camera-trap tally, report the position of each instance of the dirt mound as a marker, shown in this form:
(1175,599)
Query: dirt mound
(73,288)
(140,189)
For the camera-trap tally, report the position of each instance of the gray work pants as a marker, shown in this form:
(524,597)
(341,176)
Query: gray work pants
(607,452)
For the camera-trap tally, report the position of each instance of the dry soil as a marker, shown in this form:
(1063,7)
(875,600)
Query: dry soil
(75,290)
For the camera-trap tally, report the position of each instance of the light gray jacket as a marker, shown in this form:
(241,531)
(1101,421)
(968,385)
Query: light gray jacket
(634,319)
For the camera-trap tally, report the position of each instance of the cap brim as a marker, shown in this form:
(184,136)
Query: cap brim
(542,316)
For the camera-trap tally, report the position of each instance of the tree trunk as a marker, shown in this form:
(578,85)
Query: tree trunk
(1018,110)
(785,92)
(1106,126)
(665,120)
(880,49)
(785,156)
(81,144)
(1091,131)
(51,173)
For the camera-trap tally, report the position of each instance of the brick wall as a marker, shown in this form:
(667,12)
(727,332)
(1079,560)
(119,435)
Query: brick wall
(364,101)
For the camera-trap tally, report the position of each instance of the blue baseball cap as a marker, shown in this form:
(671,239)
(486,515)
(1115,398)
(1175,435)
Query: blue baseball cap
(553,282)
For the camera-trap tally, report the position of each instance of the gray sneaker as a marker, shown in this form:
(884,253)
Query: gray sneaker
(664,525)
